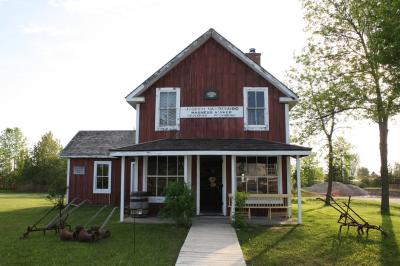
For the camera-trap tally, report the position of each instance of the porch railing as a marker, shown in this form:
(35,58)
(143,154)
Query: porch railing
(264,201)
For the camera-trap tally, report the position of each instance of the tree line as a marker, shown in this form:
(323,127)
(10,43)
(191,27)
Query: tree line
(349,69)
(35,170)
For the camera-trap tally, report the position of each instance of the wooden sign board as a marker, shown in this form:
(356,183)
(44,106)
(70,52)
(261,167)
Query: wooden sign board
(212,112)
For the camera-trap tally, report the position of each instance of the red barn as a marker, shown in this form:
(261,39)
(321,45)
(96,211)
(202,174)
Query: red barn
(211,117)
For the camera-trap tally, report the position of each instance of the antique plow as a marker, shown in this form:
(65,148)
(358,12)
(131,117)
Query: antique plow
(93,234)
(350,218)
(58,222)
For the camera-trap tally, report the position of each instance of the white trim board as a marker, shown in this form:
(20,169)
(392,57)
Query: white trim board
(222,152)
(211,33)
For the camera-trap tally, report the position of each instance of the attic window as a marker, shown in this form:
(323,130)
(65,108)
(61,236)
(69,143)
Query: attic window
(167,109)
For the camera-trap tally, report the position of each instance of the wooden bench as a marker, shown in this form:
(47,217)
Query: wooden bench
(264,201)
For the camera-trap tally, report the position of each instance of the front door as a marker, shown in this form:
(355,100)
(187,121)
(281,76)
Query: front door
(210,184)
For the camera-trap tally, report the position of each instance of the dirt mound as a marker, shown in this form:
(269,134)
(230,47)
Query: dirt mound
(338,189)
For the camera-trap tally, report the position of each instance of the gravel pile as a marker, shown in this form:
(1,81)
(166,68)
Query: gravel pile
(338,189)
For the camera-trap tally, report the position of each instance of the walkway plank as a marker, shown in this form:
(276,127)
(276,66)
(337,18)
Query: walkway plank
(211,241)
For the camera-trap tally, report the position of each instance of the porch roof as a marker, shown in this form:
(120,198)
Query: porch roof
(211,147)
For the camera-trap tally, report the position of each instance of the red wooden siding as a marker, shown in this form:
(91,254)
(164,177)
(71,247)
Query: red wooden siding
(81,186)
(212,67)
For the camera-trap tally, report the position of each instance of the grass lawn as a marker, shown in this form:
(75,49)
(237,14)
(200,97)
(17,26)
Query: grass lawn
(155,244)
(316,242)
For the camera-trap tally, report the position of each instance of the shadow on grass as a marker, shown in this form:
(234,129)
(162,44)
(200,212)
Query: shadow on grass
(390,254)
(272,245)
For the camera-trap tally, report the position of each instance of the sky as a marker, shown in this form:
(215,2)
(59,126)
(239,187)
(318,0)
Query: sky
(66,65)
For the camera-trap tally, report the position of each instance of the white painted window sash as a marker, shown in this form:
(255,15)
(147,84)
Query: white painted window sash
(95,189)
(265,126)
(158,127)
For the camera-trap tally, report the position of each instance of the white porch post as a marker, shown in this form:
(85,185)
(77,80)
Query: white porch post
(298,189)
(122,200)
(197,185)
(289,186)
(234,187)
(224,185)
(188,170)
(68,175)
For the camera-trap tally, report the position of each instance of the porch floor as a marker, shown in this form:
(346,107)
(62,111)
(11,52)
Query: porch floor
(211,241)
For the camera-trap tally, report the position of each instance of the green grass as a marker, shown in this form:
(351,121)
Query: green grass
(316,241)
(155,244)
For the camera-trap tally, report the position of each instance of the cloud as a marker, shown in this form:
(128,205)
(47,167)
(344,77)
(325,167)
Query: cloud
(34,28)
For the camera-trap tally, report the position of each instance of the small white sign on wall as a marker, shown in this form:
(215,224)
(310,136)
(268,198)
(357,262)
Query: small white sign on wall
(211,112)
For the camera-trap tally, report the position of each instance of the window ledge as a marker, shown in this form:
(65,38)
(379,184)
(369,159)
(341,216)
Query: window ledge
(174,128)
(256,128)
(101,191)
(155,199)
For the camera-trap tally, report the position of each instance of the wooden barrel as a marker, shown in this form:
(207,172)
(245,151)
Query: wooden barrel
(139,204)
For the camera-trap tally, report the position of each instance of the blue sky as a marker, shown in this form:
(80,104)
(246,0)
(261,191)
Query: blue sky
(66,65)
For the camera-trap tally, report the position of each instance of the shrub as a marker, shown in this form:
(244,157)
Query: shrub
(239,219)
(179,204)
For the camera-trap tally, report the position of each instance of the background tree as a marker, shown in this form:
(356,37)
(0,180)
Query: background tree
(345,161)
(311,172)
(13,155)
(347,33)
(45,168)
(13,148)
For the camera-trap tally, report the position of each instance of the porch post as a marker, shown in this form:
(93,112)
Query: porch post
(68,174)
(122,200)
(234,187)
(197,185)
(299,220)
(289,186)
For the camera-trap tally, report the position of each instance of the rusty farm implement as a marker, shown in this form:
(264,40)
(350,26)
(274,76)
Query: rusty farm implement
(58,222)
(85,234)
(350,218)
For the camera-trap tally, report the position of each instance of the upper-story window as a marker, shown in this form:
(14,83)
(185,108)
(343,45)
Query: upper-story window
(256,108)
(167,108)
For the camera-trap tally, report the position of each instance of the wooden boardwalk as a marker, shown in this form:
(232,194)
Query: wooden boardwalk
(211,241)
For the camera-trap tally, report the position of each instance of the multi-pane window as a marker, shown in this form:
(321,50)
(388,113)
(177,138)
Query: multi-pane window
(102,177)
(163,170)
(167,113)
(256,108)
(258,175)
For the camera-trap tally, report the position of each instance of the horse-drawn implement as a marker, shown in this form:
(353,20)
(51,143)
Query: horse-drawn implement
(350,218)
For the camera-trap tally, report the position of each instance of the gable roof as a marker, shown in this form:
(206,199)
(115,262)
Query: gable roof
(132,97)
(97,143)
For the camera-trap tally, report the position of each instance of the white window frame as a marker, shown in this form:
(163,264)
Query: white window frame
(157,112)
(265,126)
(101,191)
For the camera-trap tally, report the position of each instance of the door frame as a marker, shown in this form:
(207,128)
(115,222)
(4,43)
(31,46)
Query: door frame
(223,211)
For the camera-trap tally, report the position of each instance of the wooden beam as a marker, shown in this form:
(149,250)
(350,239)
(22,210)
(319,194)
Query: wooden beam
(122,200)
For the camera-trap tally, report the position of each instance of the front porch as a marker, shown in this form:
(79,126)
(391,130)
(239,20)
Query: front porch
(214,175)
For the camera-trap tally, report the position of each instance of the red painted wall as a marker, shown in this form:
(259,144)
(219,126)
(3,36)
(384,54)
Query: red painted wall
(212,67)
(81,186)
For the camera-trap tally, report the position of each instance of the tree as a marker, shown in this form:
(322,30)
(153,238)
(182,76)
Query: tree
(45,169)
(13,149)
(345,161)
(322,102)
(346,33)
(311,171)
